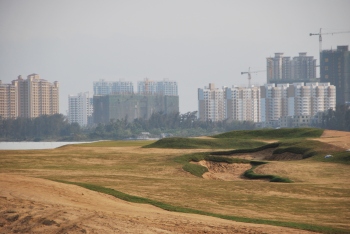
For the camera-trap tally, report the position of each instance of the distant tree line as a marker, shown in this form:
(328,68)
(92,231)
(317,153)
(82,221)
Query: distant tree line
(56,127)
(174,124)
(338,119)
(45,127)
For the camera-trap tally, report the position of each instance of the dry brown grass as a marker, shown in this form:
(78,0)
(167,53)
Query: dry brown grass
(320,194)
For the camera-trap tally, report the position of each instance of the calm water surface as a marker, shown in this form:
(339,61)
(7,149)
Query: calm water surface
(33,145)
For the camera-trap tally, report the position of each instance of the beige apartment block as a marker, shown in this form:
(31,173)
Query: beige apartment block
(37,96)
(211,104)
(273,101)
(298,101)
(311,98)
(8,100)
(243,103)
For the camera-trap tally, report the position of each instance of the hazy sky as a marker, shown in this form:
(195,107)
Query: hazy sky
(194,42)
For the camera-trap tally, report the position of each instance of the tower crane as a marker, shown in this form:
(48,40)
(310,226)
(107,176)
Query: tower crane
(320,36)
(249,75)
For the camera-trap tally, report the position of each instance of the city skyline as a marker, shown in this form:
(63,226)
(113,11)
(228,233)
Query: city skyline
(271,105)
(193,43)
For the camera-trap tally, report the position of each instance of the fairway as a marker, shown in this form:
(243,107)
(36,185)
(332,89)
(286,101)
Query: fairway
(318,199)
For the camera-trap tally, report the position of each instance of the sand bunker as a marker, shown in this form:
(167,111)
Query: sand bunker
(224,171)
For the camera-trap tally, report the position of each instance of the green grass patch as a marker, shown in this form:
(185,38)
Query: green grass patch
(112,144)
(272,178)
(194,169)
(283,133)
(198,143)
(342,157)
(168,207)
(252,150)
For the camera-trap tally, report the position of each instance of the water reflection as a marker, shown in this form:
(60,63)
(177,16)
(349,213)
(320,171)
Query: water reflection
(33,145)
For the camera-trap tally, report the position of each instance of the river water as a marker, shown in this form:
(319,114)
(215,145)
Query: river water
(33,145)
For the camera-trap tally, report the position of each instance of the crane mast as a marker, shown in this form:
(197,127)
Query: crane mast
(320,36)
(250,75)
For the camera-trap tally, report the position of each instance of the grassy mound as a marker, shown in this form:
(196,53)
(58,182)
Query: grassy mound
(315,149)
(283,133)
(197,143)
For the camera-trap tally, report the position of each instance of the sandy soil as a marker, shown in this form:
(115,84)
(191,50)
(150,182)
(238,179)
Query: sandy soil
(224,171)
(33,205)
(337,138)
(261,155)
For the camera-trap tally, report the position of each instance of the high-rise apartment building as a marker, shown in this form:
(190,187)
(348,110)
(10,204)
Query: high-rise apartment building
(303,68)
(310,99)
(167,87)
(268,103)
(281,69)
(36,96)
(147,87)
(243,104)
(273,101)
(8,100)
(296,99)
(164,87)
(276,67)
(335,69)
(103,87)
(211,103)
(80,109)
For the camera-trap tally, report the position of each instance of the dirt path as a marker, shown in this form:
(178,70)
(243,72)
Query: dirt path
(32,205)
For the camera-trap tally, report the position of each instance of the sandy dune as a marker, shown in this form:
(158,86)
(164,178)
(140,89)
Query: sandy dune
(32,205)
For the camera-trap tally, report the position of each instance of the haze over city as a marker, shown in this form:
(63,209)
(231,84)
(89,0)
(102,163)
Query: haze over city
(191,42)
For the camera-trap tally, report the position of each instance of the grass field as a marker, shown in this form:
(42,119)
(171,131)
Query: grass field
(319,198)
